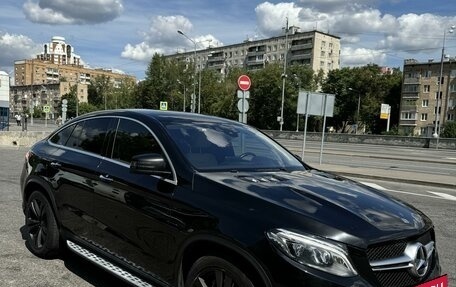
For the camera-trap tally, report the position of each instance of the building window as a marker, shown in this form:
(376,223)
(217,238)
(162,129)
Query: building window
(282,46)
(411,88)
(437,94)
(450,117)
(408,116)
(424,117)
(274,48)
(423,131)
(427,74)
(453,73)
(425,103)
(323,44)
(435,110)
(322,54)
(426,88)
(322,64)
(441,79)
(452,88)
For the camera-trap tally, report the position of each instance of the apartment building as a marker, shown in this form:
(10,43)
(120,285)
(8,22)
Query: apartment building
(4,100)
(43,80)
(422,101)
(321,51)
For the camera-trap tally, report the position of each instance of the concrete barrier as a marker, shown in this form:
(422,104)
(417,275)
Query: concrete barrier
(26,138)
(423,142)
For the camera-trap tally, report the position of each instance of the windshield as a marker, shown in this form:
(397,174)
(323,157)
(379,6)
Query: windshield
(229,146)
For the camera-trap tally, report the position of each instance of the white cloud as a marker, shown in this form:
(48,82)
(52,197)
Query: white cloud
(16,47)
(361,56)
(271,18)
(72,11)
(162,38)
(418,32)
(140,52)
(333,6)
(366,33)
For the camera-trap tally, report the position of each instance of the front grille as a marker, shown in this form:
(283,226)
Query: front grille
(392,249)
(386,251)
(396,278)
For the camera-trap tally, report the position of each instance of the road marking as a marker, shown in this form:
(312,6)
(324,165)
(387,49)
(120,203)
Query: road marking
(444,195)
(437,195)
(454,158)
(373,185)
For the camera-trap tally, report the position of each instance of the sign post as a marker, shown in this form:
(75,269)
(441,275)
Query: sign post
(385,113)
(243,94)
(163,106)
(46,110)
(64,110)
(316,104)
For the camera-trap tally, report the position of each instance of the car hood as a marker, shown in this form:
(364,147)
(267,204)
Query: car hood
(337,207)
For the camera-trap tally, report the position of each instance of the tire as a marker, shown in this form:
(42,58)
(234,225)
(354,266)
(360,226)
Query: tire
(216,272)
(42,233)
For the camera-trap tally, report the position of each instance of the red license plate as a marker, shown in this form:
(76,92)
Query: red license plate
(441,281)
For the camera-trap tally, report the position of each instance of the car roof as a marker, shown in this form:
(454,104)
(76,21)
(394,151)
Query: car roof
(161,116)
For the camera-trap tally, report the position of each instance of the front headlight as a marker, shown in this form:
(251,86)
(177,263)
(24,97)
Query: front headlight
(313,251)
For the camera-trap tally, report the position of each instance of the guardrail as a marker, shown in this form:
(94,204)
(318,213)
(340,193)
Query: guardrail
(423,142)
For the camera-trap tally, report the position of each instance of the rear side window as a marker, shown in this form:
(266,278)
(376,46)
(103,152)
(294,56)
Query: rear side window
(89,135)
(133,139)
(62,136)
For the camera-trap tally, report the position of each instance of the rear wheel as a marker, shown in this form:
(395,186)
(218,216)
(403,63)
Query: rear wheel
(42,236)
(212,271)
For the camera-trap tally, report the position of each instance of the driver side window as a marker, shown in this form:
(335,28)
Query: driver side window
(132,139)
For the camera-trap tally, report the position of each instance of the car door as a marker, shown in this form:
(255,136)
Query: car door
(73,168)
(131,209)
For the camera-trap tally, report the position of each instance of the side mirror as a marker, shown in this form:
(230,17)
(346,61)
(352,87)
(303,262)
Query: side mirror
(150,163)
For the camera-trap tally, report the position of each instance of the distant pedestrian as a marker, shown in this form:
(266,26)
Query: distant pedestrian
(18,119)
(58,121)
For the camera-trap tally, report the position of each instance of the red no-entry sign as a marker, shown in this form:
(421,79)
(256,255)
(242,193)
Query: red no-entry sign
(244,82)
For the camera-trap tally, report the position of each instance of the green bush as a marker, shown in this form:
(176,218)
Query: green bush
(449,130)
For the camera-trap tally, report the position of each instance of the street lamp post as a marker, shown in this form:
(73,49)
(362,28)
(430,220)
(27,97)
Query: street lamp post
(439,89)
(194,78)
(185,89)
(358,110)
(284,75)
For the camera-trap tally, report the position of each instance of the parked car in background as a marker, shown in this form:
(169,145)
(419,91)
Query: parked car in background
(179,199)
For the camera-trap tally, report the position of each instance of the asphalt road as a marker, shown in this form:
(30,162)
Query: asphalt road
(18,267)
(420,160)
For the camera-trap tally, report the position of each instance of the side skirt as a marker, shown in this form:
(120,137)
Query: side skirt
(108,266)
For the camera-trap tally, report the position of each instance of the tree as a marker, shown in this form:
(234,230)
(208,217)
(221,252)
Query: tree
(85,108)
(99,92)
(449,130)
(72,101)
(368,86)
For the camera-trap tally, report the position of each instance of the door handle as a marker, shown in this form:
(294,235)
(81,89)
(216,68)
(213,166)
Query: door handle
(105,178)
(55,164)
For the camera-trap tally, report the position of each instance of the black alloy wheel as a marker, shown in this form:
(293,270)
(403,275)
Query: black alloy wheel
(42,233)
(212,271)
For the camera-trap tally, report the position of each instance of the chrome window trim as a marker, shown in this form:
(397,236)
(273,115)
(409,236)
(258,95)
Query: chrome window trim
(173,171)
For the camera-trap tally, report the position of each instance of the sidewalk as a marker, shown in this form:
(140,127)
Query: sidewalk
(38,125)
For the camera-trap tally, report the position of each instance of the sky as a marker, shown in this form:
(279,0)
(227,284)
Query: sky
(124,35)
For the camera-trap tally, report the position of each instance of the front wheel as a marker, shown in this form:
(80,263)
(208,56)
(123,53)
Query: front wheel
(216,272)
(42,236)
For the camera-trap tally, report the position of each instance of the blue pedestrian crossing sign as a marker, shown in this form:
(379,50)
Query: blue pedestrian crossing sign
(163,106)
